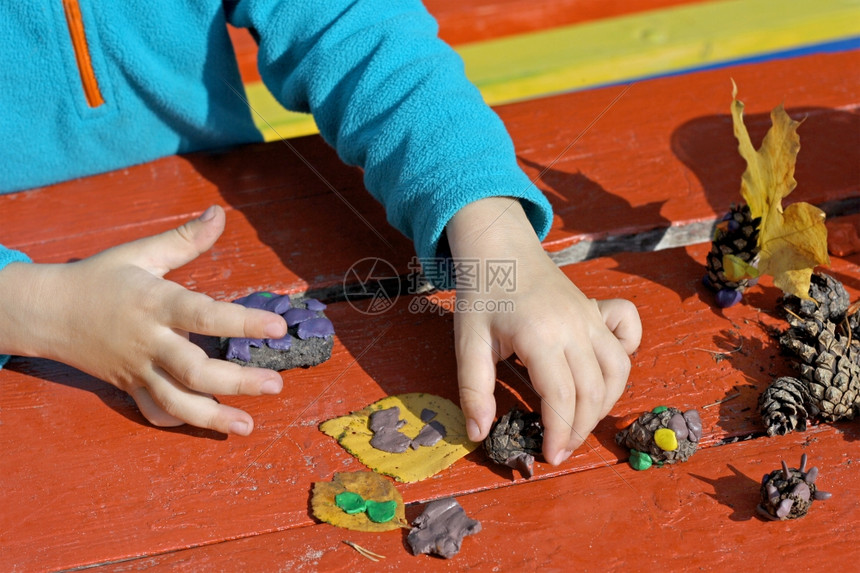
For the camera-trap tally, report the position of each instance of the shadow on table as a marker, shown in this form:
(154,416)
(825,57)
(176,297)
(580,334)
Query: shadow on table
(737,491)
(827,169)
(114,398)
(634,228)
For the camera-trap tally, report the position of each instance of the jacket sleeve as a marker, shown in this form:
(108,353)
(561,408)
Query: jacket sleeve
(393,99)
(9,256)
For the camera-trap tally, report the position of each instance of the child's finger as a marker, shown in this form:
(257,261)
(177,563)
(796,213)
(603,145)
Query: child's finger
(622,318)
(152,411)
(189,365)
(590,391)
(554,383)
(476,374)
(193,408)
(195,312)
(615,365)
(170,250)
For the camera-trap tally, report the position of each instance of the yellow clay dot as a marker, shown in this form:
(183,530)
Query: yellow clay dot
(666,439)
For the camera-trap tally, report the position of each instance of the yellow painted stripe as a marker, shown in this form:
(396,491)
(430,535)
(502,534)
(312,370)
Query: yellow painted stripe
(613,50)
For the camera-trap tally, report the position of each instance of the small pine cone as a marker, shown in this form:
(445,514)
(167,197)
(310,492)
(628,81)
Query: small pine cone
(515,439)
(641,434)
(829,363)
(829,299)
(788,493)
(736,234)
(783,406)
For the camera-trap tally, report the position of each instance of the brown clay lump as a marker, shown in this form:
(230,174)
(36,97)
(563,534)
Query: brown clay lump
(440,529)
(515,439)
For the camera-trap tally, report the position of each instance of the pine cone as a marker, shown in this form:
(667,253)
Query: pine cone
(736,234)
(788,493)
(783,406)
(829,299)
(828,365)
(642,435)
(515,439)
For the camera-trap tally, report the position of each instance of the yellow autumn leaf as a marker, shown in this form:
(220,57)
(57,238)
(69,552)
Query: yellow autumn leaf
(368,485)
(737,269)
(353,433)
(792,241)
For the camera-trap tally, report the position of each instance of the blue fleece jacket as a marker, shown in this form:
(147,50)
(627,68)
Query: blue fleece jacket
(386,93)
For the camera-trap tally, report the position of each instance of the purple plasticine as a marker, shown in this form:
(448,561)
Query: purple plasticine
(784,508)
(523,462)
(240,348)
(727,297)
(801,490)
(429,435)
(427,414)
(390,440)
(315,328)
(295,316)
(284,343)
(440,529)
(678,424)
(279,304)
(314,305)
(694,425)
(254,300)
(382,419)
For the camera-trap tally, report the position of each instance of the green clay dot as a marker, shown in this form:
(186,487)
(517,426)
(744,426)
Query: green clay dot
(267,294)
(381,511)
(640,461)
(659,409)
(350,502)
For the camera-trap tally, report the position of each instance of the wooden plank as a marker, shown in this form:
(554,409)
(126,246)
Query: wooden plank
(699,515)
(468,22)
(619,50)
(660,162)
(131,490)
(464,22)
(663,156)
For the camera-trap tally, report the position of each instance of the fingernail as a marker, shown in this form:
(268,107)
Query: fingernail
(562,456)
(271,387)
(275,330)
(240,428)
(208,214)
(473,430)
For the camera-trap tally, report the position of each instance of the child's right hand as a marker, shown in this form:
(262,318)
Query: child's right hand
(113,316)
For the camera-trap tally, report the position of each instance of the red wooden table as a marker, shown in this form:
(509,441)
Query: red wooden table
(86,482)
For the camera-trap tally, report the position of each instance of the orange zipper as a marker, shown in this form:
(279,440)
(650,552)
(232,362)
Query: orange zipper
(82,53)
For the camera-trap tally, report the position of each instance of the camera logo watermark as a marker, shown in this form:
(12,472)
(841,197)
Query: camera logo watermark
(372,285)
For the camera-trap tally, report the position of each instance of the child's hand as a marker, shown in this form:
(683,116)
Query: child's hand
(114,316)
(576,349)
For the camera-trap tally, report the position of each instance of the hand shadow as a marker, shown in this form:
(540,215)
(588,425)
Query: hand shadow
(117,400)
(584,207)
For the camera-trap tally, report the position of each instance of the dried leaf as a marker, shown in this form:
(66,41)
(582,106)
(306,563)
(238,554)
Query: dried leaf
(371,487)
(792,241)
(737,269)
(354,434)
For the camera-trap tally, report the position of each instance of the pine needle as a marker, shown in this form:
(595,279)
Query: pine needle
(366,552)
